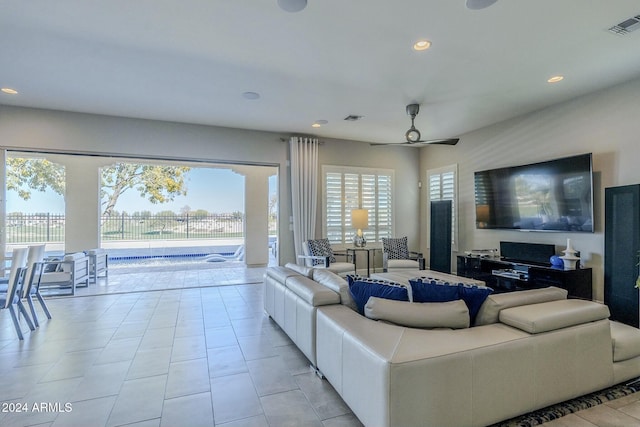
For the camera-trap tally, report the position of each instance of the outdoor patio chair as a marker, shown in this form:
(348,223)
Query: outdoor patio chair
(318,253)
(31,282)
(11,297)
(31,258)
(65,274)
(98,263)
(238,255)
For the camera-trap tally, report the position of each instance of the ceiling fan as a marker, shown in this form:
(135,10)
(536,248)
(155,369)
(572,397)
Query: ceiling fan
(413,135)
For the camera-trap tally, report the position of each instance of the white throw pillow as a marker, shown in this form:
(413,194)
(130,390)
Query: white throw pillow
(450,314)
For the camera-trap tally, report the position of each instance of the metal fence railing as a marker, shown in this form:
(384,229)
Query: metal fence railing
(25,228)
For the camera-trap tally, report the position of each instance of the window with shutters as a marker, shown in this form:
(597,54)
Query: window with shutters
(443,185)
(347,188)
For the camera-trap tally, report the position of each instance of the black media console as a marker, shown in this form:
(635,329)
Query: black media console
(508,275)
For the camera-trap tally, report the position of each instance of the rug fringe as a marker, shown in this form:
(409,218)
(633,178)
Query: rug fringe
(559,410)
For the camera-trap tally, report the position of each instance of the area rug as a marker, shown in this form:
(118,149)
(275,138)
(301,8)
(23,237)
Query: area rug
(553,412)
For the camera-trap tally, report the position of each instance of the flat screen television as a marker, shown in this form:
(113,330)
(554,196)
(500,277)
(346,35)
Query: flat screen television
(556,195)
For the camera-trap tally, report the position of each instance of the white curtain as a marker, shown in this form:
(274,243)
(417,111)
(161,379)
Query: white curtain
(304,189)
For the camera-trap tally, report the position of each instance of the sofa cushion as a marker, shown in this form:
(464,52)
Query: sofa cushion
(301,269)
(490,309)
(625,340)
(363,288)
(549,316)
(427,289)
(403,263)
(451,314)
(312,292)
(280,274)
(337,284)
(50,268)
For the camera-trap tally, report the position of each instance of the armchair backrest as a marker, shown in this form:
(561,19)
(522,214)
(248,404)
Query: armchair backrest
(34,265)
(79,265)
(317,248)
(395,247)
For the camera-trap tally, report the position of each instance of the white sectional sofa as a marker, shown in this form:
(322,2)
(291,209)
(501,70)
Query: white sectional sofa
(527,350)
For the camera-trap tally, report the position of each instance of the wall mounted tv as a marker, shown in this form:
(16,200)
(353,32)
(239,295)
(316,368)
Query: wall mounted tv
(556,195)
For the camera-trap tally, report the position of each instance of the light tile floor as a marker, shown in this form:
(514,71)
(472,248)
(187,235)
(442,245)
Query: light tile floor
(130,353)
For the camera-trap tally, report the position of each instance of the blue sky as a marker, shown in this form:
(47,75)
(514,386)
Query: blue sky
(211,189)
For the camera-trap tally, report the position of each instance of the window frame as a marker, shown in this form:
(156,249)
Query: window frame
(453,169)
(376,231)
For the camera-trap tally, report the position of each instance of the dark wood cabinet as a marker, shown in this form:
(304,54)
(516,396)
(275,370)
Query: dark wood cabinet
(577,282)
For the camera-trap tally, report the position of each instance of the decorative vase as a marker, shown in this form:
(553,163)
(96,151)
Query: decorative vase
(569,258)
(556,262)
(359,241)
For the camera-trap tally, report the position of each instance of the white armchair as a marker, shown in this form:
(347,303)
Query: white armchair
(319,254)
(65,274)
(396,255)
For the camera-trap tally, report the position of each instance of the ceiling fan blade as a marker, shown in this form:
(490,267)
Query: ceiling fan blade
(447,141)
(403,143)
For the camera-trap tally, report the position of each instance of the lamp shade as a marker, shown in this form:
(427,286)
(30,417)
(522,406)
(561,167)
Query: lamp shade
(359,218)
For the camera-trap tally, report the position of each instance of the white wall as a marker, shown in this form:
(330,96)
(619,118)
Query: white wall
(604,123)
(66,132)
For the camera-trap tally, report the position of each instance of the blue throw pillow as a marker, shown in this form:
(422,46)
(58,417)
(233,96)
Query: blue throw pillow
(426,289)
(362,288)
(474,296)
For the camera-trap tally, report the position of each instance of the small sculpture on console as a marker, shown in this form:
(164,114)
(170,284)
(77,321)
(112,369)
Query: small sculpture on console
(570,257)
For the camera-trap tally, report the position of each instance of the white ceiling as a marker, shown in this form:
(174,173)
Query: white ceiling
(190,61)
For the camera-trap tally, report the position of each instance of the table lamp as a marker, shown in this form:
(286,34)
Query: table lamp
(359,220)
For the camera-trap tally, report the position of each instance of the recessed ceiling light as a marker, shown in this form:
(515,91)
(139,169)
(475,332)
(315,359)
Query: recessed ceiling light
(292,5)
(251,95)
(479,4)
(422,45)
(555,79)
(9,91)
(319,123)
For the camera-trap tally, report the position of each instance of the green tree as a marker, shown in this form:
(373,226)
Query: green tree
(24,175)
(142,214)
(162,221)
(156,183)
(199,214)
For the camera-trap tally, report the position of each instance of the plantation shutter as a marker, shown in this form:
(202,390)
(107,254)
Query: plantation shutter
(443,186)
(334,220)
(346,189)
(384,211)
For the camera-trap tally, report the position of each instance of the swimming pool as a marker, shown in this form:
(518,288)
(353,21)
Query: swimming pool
(128,260)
